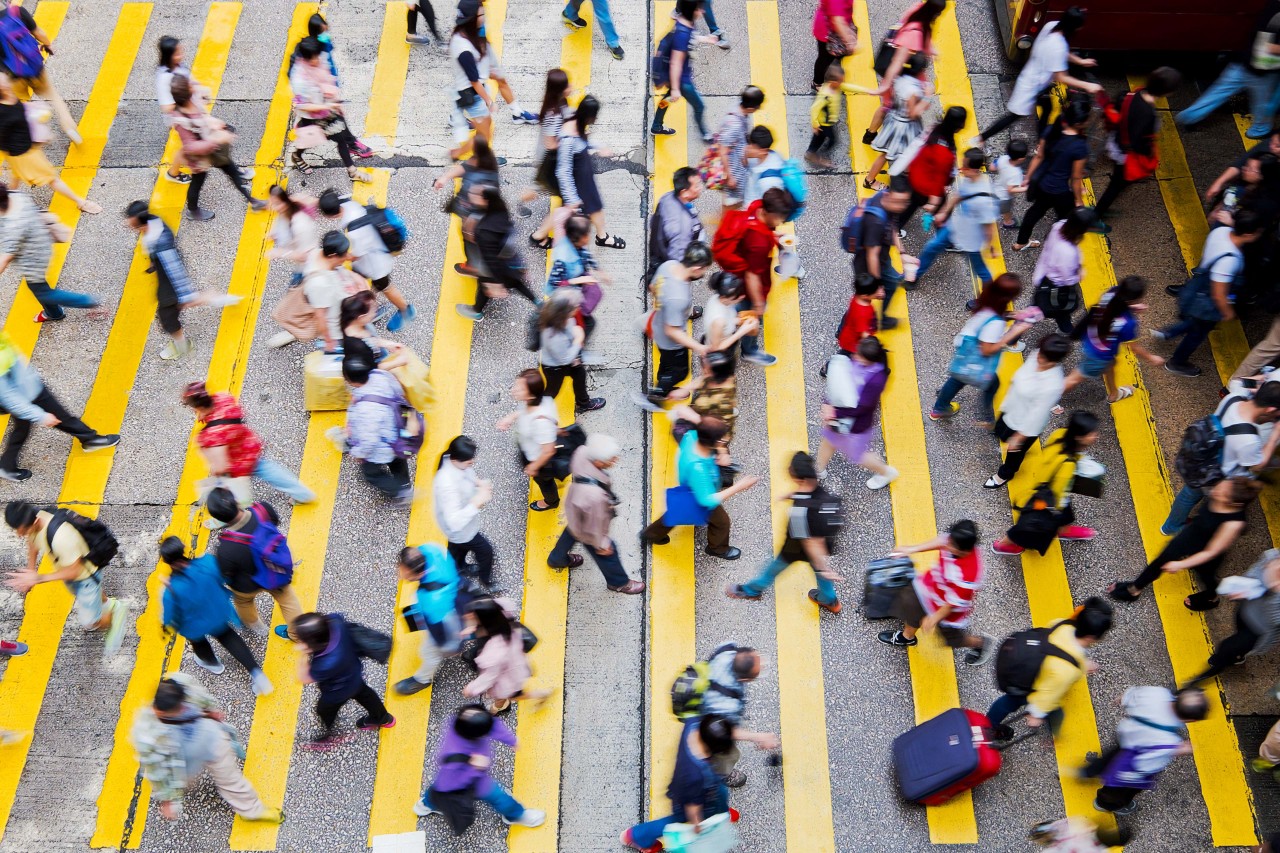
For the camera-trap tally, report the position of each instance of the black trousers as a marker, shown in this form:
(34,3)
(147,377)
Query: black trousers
(344,139)
(822,138)
(1188,541)
(576,373)
(1013,460)
(1061,203)
(482,298)
(231,170)
(1044,108)
(391,479)
(1230,651)
(482,549)
(19,429)
(673,368)
(546,482)
(423,6)
(821,64)
(1119,183)
(328,711)
(1113,798)
(230,641)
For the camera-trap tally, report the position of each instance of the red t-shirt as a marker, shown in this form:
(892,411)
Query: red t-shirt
(932,170)
(859,321)
(757,246)
(954,581)
(243,445)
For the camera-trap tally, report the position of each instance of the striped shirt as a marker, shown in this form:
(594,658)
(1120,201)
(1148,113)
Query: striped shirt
(954,581)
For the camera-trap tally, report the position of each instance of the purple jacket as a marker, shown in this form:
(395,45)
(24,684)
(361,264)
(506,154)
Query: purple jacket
(457,776)
(864,414)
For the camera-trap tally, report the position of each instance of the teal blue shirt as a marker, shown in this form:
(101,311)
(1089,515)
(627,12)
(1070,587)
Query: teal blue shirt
(700,473)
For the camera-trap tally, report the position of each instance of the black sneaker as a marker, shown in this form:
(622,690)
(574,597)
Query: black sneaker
(869,136)
(617,53)
(887,323)
(102,442)
(17,475)
(896,638)
(1174,289)
(577,22)
(730,553)
(592,405)
(1002,733)
(1189,370)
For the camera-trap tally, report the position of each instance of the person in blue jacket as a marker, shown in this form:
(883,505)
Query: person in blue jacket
(330,661)
(435,609)
(197,606)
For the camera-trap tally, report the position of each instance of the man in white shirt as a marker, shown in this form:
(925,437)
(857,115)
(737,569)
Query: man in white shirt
(1036,389)
(764,165)
(369,254)
(967,222)
(323,287)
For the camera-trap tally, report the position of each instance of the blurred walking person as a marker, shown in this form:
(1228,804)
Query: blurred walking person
(458,496)
(206,144)
(26,238)
(329,659)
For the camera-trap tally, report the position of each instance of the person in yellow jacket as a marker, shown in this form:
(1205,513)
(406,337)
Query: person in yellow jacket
(824,115)
(1065,662)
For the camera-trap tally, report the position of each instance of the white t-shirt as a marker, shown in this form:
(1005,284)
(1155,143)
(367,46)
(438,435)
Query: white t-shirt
(537,427)
(979,325)
(323,289)
(1007,176)
(1226,258)
(1239,452)
(975,210)
(371,257)
(757,185)
(1048,57)
(717,312)
(459,45)
(1032,396)
(164,83)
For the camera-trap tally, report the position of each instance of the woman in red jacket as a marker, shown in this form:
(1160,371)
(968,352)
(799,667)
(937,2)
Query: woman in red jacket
(932,168)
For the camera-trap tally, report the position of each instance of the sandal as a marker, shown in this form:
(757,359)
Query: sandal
(614,242)
(1198,605)
(1124,392)
(1122,591)
(544,243)
(1058,410)
(300,164)
(359,177)
(90,207)
(993,483)
(1030,244)
(873,185)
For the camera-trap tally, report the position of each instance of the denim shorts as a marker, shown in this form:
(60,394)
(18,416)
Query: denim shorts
(90,607)
(1093,366)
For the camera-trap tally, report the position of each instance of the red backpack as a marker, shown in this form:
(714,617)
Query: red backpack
(726,246)
(1136,166)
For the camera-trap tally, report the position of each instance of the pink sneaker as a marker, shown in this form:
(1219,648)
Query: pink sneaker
(1011,550)
(1077,532)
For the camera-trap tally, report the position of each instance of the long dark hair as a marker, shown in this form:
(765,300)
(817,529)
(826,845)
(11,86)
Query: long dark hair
(554,313)
(482,154)
(461,449)
(944,132)
(873,351)
(168,46)
(493,200)
(354,307)
(586,114)
(1113,305)
(1078,223)
(999,294)
(1076,112)
(470,30)
(926,15)
(1079,424)
(493,620)
(291,206)
(556,96)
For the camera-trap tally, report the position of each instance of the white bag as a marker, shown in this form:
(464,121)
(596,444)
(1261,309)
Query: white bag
(842,390)
(718,835)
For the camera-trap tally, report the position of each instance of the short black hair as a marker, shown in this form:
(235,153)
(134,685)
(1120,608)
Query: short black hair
(173,552)
(778,201)
(334,244)
(761,136)
(744,662)
(1248,221)
(865,284)
(139,210)
(1268,397)
(356,369)
(899,184)
(716,733)
(1017,149)
(1094,619)
(1163,81)
(682,178)
(975,158)
(169,696)
(412,559)
(222,505)
(710,430)
(330,203)
(313,630)
(1190,703)
(1055,347)
(696,254)
(802,466)
(751,98)
(963,535)
(19,514)
(726,284)
(473,722)
(309,48)
(576,227)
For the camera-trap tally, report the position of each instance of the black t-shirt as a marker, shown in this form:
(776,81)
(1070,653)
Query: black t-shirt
(876,231)
(353,347)
(235,559)
(812,514)
(15,133)
(1054,174)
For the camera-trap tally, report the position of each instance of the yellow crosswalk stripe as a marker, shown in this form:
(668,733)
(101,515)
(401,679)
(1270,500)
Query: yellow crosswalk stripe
(389,75)
(1045,577)
(540,726)
(85,481)
(671,583)
(933,674)
(802,711)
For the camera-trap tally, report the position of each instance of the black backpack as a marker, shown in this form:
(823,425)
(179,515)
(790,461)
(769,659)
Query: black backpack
(1020,657)
(1199,459)
(370,643)
(103,545)
(390,227)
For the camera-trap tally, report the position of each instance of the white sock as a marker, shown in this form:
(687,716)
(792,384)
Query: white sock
(516,109)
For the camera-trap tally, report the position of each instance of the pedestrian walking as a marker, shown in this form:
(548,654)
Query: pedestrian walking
(576,172)
(744,245)
(696,791)
(25,158)
(79,548)
(604,17)
(560,340)
(931,167)
(675,223)
(330,659)
(1257,619)
(182,733)
(1134,144)
(714,394)
(458,496)
(551,117)
(824,116)
(434,573)
(672,299)
(480,169)
(699,473)
(428,12)
(1111,324)
(1055,178)
(315,311)
(673,71)
(1047,66)
(1208,298)
(764,165)
(1268,760)
(174,288)
(24,395)
(251,539)
(966,223)
(318,29)
(1151,734)
(536,425)
(206,143)
(731,144)
(376,428)
(1045,506)
(1027,406)
(26,241)
(836,35)
(230,448)
(1010,179)
(293,231)
(855,383)
(319,104)
(573,265)
(814,521)
(28,47)
(730,668)
(1060,268)
(370,257)
(589,509)
(495,240)
(1042,664)
(859,320)
(905,121)
(875,229)
(943,596)
(463,762)
(172,63)
(474,63)
(197,606)
(1252,69)
(978,346)
(504,672)
(912,35)
(724,325)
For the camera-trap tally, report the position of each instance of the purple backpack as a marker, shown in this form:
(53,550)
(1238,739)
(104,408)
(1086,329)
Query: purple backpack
(272,560)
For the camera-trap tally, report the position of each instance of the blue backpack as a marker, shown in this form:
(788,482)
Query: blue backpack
(390,227)
(272,560)
(794,182)
(19,50)
(851,231)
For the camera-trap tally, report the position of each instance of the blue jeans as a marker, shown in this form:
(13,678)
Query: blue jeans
(1183,503)
(279,477)
(890,278)
(939,244)
(497,797)
(52,300)
(1194,332)
(952,387)
(751,343)
(603,16)
(709,16)
(775,567)
(649,833)
(691,94)
(1006,705)
(1236,78)
(610,565)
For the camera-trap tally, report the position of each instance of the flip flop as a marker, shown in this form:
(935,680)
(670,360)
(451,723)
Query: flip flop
(1124,392)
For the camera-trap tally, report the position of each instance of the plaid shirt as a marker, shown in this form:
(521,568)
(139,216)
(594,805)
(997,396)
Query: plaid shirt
(159,752)
(27,238)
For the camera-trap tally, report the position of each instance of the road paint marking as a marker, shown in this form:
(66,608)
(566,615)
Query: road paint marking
(672,618)
(389,73)
(802,699)
(85,481)
(933,674)
(149,659)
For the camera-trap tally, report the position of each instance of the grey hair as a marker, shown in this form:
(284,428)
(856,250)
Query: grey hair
(602,448)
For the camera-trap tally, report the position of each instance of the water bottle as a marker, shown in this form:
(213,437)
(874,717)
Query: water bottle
(927,220)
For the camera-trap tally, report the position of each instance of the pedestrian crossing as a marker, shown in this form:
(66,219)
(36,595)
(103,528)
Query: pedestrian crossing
(278,719)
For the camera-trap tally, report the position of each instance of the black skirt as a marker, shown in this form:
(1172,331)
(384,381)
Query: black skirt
(546,174)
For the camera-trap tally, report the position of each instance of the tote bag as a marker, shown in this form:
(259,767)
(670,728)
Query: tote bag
(969,365)
(683,508)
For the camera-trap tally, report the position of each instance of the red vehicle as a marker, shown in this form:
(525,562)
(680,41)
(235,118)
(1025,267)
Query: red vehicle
(1166,25)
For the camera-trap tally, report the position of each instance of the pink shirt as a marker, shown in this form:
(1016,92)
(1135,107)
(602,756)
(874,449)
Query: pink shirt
(828,9)
(912,36)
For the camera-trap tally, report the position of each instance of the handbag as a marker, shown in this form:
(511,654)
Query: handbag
(1195,301)
(221,156)
(370,643)
(717,834)
(884,53)
(969,365)
(308,136)
(295,315)
(683,508)
(711,168)
(568,440)
(466,98)
(1051,298)
(836,46)
(38,115)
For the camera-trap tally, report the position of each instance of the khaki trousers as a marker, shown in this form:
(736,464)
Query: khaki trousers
(226,774)
(1267,351)
(247,608)
(1270,749)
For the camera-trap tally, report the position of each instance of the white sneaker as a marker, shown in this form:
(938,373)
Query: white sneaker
(338,436)
(173,350)
(280,339)
(530,818)
(248,172)
(217,667)
(421,809)
(823,474)
(879,481)
(222,300)
(261,685)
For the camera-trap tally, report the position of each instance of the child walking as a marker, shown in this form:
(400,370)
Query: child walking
(905,122)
